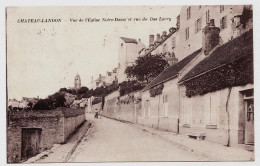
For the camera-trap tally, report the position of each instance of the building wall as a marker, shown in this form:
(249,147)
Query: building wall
(167,47)
(122,108)
(51,123)
(198,112)
(56,126)
(128,53)
(156,117)
(71,123)
(187,46)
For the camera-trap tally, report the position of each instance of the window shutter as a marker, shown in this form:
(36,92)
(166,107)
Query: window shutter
(189,12)
(188,33)
(220,24)
(200,23)
(196,26)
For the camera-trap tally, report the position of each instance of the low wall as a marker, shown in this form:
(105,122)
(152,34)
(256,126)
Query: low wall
(72,119)
(55,125)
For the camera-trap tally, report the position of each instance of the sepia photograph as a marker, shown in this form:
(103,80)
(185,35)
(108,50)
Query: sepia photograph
(99,84)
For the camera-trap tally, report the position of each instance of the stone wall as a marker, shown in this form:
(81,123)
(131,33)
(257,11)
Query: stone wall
(124,108)
(72,119)
(56,126)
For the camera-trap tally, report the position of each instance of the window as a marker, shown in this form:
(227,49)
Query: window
(207,17)
(221,8)
(147,109)
(223,22)
(173,42)
(187,33)
(188,13)
(165,105)
(197,25)
(164,48)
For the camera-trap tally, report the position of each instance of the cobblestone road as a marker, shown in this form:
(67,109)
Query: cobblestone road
(110,140)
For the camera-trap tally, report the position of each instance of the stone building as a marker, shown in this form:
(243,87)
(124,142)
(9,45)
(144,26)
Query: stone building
(129,50)
(186,37)
(31,132)
(175,101)
(108,79)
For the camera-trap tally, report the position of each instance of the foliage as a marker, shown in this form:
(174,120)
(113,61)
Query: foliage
(237,73)
(247,14)
(52,102)
(103,91)
(157,90)
(70,91)
(146,68)
(82,90)
(129,86)
(96,100)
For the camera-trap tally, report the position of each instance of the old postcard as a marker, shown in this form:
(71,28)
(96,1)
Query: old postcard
(130,83)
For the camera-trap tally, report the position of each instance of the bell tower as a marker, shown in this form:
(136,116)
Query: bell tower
(77,82)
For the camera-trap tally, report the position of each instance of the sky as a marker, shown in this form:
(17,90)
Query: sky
(44,57)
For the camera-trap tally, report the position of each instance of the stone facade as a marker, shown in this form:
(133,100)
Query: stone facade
(55,125)
(208,114)
(128,53)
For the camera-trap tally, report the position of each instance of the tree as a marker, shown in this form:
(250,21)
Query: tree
(83,90)
(146,68)
(52,102)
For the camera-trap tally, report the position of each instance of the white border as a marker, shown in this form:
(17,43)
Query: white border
(5,3)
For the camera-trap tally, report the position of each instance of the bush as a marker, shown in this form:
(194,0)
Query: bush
(52,102)
(129,86)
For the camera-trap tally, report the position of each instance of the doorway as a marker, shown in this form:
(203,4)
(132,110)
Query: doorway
(31,139)
(249,117)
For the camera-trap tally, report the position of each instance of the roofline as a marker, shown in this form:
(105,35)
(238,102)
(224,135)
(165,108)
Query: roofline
(208,71)
(160,43)
(136,42)
(172,77)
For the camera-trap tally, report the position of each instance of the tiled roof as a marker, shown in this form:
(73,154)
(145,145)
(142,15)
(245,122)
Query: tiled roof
(233,50)
(171,71)
(129,40)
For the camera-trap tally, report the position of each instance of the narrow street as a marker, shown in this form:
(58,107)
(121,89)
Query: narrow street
(110,140)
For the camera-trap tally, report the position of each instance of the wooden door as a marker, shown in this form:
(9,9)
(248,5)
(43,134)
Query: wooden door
(31,138)
(249,125)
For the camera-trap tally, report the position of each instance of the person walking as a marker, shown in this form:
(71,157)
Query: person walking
(96,113)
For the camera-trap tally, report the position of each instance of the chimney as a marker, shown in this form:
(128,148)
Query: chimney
(99,75)
(172,30)
(210,37)
(158,37)
(91,78)
(164,34)
(151,39)
(212,23)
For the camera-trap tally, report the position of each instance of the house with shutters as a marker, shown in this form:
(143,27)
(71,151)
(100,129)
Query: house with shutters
(209,92)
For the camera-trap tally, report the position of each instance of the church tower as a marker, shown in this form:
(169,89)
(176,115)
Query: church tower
(77,82)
